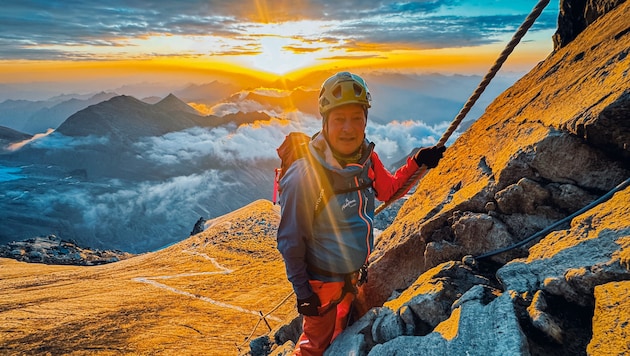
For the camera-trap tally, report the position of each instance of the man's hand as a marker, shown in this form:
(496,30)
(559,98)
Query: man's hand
(429,156)
(309,305)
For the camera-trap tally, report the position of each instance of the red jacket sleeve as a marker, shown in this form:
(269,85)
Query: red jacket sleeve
(387,184)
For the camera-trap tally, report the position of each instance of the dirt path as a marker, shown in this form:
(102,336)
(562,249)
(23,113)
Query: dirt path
(222,270)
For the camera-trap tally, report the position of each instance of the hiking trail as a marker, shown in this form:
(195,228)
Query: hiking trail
(221,270)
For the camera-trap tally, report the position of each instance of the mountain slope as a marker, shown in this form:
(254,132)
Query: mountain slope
(52,117)
(172,103)
(200,296)
(562,126)
(8,136)
(13,113)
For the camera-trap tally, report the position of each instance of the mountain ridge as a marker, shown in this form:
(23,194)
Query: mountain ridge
(544,148)
(173,103)
(116,160)
(125,116)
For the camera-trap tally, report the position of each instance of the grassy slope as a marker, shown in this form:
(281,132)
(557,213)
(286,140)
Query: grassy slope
(107,310)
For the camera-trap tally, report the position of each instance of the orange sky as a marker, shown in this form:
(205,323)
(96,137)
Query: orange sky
(54,41)
(460,61)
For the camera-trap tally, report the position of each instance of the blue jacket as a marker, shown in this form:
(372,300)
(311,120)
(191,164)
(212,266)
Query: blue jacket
(339,239)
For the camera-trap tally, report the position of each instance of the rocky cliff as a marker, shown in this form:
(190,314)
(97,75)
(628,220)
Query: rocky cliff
(548,146)
(56,251)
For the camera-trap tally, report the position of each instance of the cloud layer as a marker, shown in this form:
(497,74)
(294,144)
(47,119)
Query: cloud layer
(53,140)
(92,29)
(259,141)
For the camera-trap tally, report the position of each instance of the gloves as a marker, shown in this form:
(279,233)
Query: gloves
(429,156)
(308,306)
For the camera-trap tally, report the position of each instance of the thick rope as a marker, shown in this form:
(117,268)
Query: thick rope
(522,30)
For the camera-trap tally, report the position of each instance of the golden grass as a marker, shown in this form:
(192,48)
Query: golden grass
(185,305)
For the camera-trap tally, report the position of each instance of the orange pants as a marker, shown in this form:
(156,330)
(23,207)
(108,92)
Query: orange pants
(320,331)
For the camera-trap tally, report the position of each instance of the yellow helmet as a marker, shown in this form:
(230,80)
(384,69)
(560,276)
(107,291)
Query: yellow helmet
(343,88)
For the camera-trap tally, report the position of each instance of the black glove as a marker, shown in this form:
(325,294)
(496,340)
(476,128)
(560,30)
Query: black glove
(309,305)
(429,156)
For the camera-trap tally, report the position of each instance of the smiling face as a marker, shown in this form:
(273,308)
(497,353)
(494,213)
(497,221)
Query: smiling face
(345,128)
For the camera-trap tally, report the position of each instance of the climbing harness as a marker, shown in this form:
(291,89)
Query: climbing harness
(350,283)
(529,21)
(549,228)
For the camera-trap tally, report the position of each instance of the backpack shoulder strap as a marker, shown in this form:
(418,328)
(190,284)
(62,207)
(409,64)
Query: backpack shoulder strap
(325,187)
(295,146)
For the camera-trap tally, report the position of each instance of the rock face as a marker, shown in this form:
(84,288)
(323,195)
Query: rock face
(53,250)
(539,161)
(553,143)
(576,15)
(610,329)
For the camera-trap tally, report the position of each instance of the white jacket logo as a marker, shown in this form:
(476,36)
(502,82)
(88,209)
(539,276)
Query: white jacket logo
(349,204)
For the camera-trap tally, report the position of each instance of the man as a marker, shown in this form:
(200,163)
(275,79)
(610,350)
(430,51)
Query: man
(325,239)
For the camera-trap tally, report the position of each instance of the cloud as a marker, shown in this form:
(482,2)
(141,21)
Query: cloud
(16,146)
(10,173)
(54,140)
(223,109)
(430,32)
(134,216)
(396,139)
(228,144)
(254,142)
(151,200)
(83,29)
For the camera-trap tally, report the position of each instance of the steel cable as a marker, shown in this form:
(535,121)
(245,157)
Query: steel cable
(549,228)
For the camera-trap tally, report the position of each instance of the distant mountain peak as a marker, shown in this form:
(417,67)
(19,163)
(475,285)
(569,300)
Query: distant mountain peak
(123,99)
(103,95)
(127,117)
(173,103)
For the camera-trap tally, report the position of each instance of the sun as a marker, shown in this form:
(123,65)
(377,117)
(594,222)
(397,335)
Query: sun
(283,47)
(279,56)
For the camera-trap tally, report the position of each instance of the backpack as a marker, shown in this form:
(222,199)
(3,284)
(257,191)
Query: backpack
(294,147)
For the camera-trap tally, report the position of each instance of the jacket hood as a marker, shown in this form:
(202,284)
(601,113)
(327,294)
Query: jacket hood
(320,149)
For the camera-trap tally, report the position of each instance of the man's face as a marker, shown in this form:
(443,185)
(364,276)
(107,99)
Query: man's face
(346,128)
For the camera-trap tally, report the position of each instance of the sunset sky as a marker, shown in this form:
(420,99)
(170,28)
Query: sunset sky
(44,40)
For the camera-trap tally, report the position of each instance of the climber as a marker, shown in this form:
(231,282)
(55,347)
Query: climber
(323,252)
